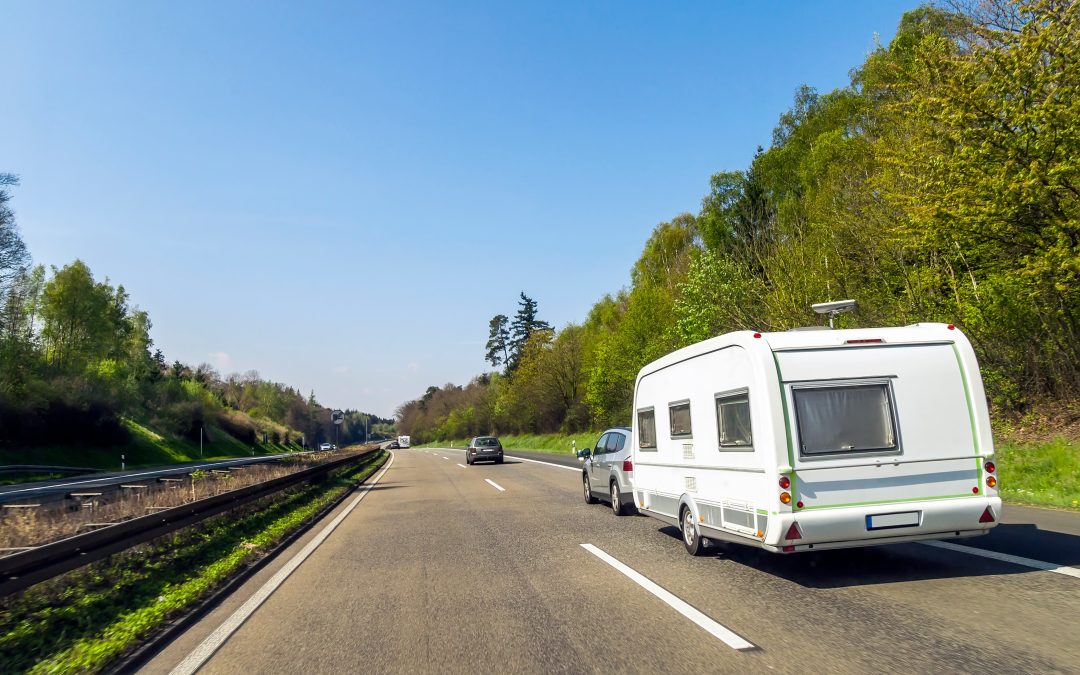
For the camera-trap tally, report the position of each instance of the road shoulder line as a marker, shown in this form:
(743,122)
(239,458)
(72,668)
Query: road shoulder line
(494,485)
(720,632)
(1006,557)
(213,642)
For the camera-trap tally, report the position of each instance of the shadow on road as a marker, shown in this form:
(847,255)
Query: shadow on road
(894,563)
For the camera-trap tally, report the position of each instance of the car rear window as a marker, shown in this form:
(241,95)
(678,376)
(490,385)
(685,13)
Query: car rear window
(845,419)
(487,442)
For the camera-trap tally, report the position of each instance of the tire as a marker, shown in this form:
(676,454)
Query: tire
(589,498)
(499,460)
(468,461)
(616,500)
(692,540)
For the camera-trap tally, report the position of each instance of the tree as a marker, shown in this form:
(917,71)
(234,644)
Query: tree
(14,258)
(523,326)
(498,340)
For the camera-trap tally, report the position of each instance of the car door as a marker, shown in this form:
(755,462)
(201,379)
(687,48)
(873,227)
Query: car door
(610,454)
(597,469)
(615,457)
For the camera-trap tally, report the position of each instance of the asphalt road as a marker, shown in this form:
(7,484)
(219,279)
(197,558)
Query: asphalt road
(439,570)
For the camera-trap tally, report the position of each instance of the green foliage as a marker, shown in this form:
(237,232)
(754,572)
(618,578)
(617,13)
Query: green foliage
(942,184)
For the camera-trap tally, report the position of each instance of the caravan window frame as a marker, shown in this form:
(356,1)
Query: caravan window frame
(883,382)
(742,392)
(641,446)
(671,419)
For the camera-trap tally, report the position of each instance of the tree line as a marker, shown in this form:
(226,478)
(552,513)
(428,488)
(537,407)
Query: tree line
(941,184)
(77,365)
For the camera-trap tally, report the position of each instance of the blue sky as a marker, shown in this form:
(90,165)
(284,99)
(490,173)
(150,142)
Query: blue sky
(340,195)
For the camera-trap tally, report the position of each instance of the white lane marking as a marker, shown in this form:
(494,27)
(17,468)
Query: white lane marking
(213,642)
(494,485)
(1005,557)
(718,631)
(446,458)
(462,466)
(576,469)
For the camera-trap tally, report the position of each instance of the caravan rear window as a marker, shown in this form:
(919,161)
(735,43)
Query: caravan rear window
(646,428)
(838,419)
(733,421)
(680,419)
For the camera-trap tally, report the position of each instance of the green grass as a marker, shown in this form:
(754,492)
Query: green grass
(84,622)
(557,444)
(146,448)
(1045,473)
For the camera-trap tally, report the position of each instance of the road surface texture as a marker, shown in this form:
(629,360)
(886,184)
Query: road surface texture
(447,568)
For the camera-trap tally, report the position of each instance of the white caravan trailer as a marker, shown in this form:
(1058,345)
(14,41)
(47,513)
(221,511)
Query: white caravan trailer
(816,439)
(403,441)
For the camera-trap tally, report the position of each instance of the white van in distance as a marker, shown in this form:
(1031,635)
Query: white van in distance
(816,439)
(403,441)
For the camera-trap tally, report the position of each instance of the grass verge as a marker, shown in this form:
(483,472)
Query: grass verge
(146,448)
(1046,474)
(556,444)
(82,622)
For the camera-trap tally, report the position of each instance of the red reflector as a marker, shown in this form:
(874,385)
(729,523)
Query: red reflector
(951,327)
(757,335)
(975,490)
(989,466)
(627,465)
(987,516)
(799,504)
(788,549)
(785,482)
(793,532)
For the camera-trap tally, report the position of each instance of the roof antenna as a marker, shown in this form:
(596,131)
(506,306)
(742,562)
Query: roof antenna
(834,308)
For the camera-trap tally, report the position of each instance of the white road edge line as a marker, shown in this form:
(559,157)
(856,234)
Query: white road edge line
(213,642)
(494,485)
(462,466)
(1005,557)
(710,626)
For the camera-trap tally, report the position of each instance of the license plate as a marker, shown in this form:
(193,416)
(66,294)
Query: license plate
(886,521)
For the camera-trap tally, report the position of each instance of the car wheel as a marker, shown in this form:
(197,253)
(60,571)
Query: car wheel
(616,499)
(498,461)
(468,461)
(694,542)
(589,498)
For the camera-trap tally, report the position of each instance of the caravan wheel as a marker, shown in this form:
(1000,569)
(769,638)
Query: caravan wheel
(694,542)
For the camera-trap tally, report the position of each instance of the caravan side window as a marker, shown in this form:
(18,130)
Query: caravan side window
(646,429)
(680,419)
(845,418)
(733,421)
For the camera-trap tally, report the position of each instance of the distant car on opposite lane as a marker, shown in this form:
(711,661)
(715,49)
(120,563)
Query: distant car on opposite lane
(325,447)
(484,448)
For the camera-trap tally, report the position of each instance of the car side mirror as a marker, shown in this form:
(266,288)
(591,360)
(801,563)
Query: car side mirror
(584,454)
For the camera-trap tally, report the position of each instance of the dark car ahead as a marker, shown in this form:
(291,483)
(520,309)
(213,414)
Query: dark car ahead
(484,449)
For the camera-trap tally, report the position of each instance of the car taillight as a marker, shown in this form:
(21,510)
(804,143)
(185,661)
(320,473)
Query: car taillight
(627,465)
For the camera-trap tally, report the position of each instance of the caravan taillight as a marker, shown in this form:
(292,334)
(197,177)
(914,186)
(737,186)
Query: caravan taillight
(627,465)
(793,532)
(785,497)
(987,516)
(757,335)
(785,482)
(951,327)
(991,481)
(989,466)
